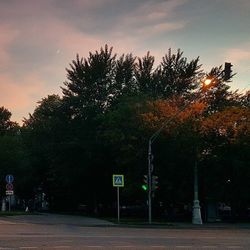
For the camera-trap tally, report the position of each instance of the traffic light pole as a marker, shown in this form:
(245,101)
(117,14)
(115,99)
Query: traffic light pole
(149,182)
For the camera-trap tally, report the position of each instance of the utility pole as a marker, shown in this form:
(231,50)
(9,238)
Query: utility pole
(196,206)
(150,170)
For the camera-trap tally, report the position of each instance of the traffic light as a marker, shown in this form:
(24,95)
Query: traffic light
(154,182)
(145,185)
(227,71)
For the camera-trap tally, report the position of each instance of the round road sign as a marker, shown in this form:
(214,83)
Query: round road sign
(9,186)
(9,178)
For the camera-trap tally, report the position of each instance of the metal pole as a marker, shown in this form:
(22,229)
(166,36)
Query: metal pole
(196,206)
(118,205)
(149,184)
(9,202)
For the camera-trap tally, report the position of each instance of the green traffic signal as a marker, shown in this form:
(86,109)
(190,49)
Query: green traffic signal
(144,187)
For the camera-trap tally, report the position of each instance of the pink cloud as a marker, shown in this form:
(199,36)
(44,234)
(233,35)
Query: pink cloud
(7,36)
(21,99)
(153,14)
(90,4)
(21,95)
(38,41)
(237,55)
(161,27)
(240,58)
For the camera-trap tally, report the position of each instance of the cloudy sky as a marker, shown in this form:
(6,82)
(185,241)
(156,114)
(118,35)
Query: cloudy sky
(39,38)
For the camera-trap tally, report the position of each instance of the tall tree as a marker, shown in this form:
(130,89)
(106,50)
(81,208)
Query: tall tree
(144,75)
(218,94)
(5,123)
(45,136)
(227,134)
(125,82)
(178,76)
(89,89)
(12,156)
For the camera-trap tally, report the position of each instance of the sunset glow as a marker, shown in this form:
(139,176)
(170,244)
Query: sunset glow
(38,39)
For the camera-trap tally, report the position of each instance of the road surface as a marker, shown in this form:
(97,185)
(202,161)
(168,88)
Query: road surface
(50,231)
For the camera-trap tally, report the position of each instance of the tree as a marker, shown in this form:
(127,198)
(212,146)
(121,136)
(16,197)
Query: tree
(90,86)
(125,82)
(227,133)
(245,99)
(176,148)
(177,75)
(144,73)
(45,134)
(12,156)
(5,123)
(123,145)
(218,96)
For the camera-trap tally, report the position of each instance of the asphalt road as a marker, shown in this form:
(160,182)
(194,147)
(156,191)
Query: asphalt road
(73,232)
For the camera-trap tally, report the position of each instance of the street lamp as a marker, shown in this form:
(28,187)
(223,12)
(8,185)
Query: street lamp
(196,219)
(206,83)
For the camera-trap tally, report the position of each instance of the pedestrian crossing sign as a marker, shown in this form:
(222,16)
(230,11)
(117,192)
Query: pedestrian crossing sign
(118,180)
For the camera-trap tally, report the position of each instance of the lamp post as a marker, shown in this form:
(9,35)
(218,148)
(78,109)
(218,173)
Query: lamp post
(150,170)
(196,203)
(196,208)
(196,215)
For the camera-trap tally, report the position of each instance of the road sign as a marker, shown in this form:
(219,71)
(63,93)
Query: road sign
(9,192)
(118,180)
(9,178)
(9,186)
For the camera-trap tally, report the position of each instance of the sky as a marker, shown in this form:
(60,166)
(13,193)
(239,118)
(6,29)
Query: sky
(39,38)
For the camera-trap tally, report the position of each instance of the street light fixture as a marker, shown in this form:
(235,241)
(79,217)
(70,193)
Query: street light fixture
(206,83)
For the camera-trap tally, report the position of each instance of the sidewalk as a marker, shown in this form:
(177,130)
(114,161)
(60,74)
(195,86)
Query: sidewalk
(54,219)
(215,225)
(187,225)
